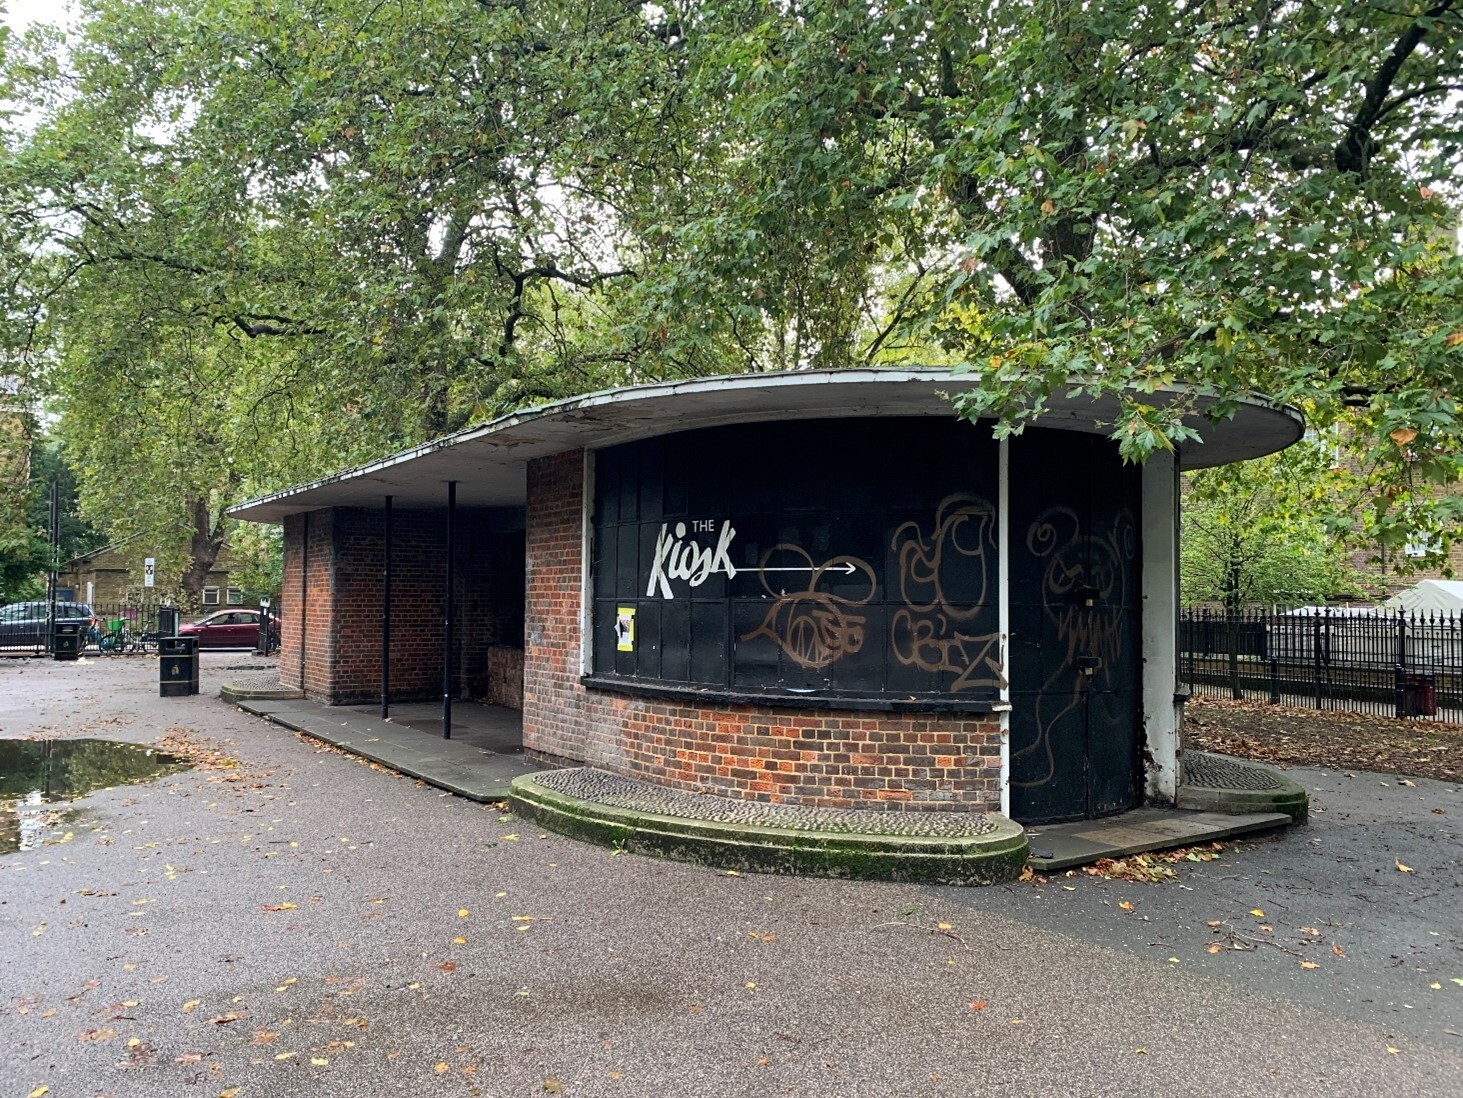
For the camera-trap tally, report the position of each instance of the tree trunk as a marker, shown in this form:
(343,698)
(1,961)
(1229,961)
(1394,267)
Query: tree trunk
(206,542)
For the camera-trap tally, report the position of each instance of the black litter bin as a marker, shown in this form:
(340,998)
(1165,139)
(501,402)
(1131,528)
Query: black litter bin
(66,640)
(167,621)
(1419,696)
(177,666)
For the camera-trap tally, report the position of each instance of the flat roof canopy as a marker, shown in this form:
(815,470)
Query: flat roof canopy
(489,462)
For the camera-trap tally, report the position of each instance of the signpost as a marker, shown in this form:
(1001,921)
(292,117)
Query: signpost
(149,571)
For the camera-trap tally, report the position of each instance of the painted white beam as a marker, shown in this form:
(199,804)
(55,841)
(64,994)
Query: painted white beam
(1160,625)
(1003,611)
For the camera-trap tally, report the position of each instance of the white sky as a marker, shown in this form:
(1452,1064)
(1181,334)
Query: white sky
(20,14)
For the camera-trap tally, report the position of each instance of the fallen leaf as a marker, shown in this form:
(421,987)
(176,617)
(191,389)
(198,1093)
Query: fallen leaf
(104,1034)
(191,1005)
(231,1092)
(553,1085)
(1215,947)
(1312,931)
(189,1058)
(1257,913)
(459,941)
(38,1092)
(1392,1050)
(462,912)
(1215,922)
(943,926)
(979,1004)
(442,1068)
(448,966)
(1403,868)
(1435,986)
(225,1019)
(280,907)
(319,1061)
(1337,950)
(285,1055)
(1126,906)
(1309,965)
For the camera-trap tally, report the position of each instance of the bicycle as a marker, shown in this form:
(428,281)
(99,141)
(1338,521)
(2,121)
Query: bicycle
(117,639)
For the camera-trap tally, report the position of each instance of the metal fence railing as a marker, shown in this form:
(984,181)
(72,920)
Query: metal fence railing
(1384,662)
(116,628)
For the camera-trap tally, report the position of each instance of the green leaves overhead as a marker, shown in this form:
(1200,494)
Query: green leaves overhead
(398,219)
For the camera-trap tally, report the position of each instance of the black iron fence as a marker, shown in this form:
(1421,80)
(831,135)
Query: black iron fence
(1389,663)
(118,628)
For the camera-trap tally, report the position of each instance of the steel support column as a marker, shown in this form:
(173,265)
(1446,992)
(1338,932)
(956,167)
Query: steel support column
(304,593)
(386,615)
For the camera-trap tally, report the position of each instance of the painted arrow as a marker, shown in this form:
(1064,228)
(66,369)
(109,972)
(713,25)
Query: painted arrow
(848,568)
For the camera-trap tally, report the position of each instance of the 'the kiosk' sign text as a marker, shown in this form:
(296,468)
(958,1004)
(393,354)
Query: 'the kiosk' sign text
(677,557)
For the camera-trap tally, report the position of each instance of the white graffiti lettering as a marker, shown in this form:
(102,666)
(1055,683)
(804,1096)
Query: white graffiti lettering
(677,558)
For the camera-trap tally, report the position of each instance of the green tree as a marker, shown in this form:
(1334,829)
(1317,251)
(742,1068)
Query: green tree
(1257,532)
(1109,197)
(401,218)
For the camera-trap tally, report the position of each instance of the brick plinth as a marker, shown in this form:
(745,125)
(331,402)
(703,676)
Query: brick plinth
(815,757)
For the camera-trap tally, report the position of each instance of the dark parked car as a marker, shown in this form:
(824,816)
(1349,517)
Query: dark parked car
(24,623)
(226,629)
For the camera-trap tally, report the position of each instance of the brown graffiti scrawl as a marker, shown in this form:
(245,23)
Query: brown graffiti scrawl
(926,631)
(1075,559)
(814,627)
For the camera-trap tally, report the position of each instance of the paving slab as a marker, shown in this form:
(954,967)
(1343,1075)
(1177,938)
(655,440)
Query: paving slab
(455,765)
(1062,846)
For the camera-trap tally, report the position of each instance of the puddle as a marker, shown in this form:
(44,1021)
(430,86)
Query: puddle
(37,777)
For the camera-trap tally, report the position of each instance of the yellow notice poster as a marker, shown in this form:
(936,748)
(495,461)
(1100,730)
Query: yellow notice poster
(625,629)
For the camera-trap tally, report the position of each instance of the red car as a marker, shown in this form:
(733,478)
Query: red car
(225,629)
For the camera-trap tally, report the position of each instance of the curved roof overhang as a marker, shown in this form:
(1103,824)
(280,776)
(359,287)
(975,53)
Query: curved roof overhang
(489,462)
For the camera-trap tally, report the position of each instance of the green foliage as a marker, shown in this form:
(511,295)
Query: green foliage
(48,466)
(258,554)
(246,244)
(1257,532)
(1111,197)
(23,559)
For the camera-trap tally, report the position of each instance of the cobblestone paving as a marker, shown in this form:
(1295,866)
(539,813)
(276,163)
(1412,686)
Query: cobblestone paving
(1212,772)
(261,680)
(600,787)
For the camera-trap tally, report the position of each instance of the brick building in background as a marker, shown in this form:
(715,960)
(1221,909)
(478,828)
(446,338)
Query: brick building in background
(112,576)
(817,588)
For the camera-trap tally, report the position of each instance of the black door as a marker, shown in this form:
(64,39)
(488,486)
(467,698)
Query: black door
(1076,720)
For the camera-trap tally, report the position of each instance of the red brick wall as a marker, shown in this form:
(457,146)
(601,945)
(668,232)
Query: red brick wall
(342,603)
(306,589)
(823,758)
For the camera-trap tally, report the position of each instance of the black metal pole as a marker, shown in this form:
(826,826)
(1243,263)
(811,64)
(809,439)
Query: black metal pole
(449,618)
(51,573)
(386,616)
(1401,703)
